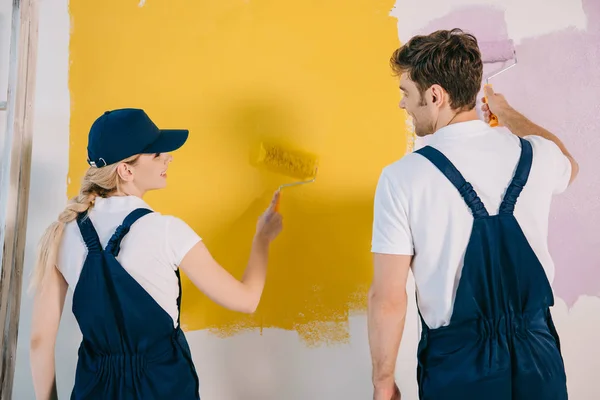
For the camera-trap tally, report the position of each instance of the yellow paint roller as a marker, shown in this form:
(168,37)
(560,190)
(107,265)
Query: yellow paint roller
(285,161)
(493,52)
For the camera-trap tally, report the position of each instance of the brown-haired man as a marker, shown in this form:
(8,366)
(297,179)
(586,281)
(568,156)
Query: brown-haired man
(479,257)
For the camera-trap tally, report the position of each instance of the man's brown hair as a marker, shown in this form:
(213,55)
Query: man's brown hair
(449,58)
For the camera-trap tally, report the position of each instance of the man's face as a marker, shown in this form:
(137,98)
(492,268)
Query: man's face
(422,111)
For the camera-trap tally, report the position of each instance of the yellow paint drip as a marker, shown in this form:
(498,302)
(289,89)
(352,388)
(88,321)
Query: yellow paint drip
(233,72)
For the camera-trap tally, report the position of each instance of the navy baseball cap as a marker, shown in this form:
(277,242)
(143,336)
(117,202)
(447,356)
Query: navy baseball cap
(120,134)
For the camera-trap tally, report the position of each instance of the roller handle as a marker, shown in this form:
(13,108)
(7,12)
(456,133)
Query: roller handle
(276,208)
(493,118)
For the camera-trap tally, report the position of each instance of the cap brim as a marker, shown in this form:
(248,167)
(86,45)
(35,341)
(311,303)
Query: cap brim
(169,140)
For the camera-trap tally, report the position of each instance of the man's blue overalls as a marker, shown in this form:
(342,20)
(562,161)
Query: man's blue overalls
(501,343)
(130,349)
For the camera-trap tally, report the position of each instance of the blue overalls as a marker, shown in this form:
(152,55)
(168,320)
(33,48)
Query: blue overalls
(501,342)
(130,349)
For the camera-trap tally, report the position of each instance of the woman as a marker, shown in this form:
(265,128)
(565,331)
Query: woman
(122,262)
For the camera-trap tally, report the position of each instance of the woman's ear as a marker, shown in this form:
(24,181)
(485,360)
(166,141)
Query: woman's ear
(125,172)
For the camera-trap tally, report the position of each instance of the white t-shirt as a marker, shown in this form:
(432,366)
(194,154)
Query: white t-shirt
(150,252)
(417,211)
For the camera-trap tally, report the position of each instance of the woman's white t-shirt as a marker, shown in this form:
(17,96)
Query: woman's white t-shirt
(150,252)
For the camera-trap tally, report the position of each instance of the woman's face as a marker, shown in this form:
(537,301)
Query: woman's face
(149,172)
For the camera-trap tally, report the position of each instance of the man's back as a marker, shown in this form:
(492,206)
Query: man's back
(426,216)
(481,274)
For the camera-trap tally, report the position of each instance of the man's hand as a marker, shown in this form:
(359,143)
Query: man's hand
(388,393)
(496,104)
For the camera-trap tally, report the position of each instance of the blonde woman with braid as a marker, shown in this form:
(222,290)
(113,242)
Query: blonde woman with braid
(122,260)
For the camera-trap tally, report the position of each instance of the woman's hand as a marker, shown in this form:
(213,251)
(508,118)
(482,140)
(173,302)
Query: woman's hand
(269,224)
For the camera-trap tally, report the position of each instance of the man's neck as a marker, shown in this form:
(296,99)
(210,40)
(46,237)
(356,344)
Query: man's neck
(463,116)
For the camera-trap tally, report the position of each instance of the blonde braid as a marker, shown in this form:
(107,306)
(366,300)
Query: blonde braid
(97,182)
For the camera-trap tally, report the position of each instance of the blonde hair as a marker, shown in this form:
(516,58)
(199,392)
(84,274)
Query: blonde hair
(97,182)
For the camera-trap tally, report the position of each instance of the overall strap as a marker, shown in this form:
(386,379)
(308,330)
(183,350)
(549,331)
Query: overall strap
(519,180)
(88,232)
(177,273)
(114,244)
(455,177)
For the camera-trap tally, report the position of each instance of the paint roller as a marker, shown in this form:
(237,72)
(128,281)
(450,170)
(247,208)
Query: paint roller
(282,160)
(495,52)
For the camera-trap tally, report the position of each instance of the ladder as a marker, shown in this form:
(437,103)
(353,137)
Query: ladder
(15,167)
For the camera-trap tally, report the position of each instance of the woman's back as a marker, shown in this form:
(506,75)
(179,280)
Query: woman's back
(130,349)
(150,252)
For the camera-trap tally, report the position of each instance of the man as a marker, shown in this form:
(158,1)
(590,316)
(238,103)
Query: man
(479,257)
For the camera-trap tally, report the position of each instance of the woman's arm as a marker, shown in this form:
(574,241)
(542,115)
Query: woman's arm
(218,284)
(47,310)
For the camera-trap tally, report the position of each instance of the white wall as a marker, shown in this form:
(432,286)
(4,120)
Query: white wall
(274,364)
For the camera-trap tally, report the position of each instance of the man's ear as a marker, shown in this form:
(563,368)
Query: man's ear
(438,95)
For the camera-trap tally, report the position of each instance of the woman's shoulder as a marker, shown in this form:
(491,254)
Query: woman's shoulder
(169,224)
(163,220)
(179,237)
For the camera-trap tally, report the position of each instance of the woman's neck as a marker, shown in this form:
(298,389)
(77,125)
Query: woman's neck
(125,193)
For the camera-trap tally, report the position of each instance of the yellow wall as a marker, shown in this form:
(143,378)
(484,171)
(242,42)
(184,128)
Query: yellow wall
(308,73)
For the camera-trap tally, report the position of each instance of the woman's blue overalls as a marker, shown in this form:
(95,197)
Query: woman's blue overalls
(130,349)
(501,343)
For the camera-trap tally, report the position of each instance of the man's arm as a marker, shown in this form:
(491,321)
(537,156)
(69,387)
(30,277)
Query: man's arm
(385,317)
(521,126)
(392,247)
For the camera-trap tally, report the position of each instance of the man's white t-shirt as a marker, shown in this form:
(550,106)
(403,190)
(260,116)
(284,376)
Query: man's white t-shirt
(151,252)
(417,211)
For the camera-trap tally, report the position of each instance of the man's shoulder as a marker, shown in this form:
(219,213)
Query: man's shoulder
(546,153)
(406,169)
(542,144)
